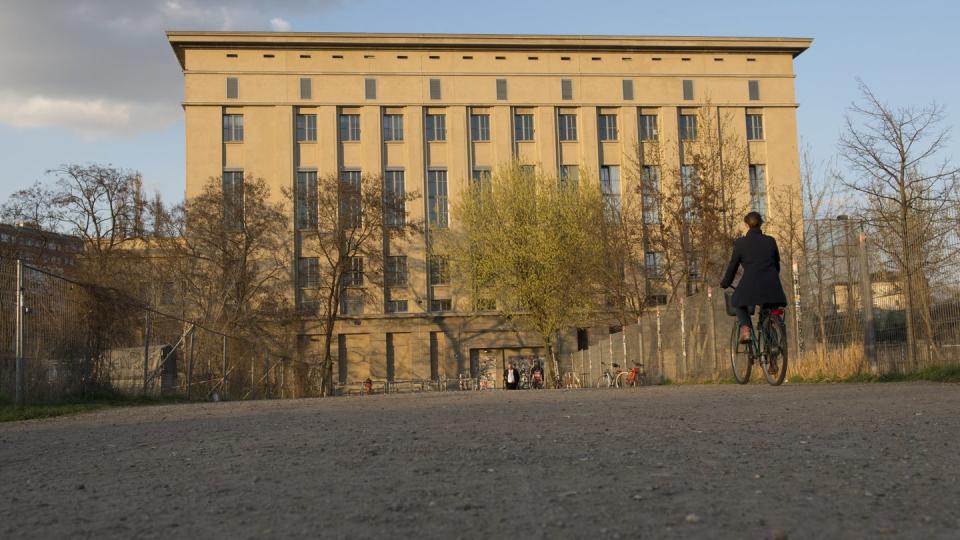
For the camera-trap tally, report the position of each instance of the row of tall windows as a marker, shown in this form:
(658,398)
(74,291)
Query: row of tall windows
(436,131)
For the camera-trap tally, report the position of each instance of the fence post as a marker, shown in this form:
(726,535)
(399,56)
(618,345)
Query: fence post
(640,341)
(193,332)
(146,351)
(21,391)
(683,335)
(224,396)
(712,328)
(866,296)
(797,314)
(660,344)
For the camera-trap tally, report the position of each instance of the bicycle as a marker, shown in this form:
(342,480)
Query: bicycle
(635,378)
(571,380)
(768,348)
(609,377)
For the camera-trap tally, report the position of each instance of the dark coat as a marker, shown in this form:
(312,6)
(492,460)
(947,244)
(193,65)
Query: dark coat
(760,284)
(516,379)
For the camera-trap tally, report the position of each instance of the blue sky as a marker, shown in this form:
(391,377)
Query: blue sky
(106,87)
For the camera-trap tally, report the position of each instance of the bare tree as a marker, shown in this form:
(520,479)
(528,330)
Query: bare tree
(909,190)
(348,225)
(33,205)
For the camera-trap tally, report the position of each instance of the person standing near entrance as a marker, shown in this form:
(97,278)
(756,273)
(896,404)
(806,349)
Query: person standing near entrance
(511,377)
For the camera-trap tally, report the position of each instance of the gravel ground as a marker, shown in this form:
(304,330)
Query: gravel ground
(799,461)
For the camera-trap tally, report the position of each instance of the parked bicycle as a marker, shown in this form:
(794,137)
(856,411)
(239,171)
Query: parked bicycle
(766,348)
(635,378)
(571,380)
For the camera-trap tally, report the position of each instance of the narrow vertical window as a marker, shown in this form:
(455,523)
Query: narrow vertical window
(395,211)
(233,199)
(349,127)
(758,189)
(349,200)
(651,194)
(233,88)
(501,89)
(480,127)
(754,127)
(688,90)
(306,128)
(438,212)
(370,88)
(393,127)
(233,128)
(439,271)
(435,89)
(690,189)
(523,127)
(627,90)
(566,89)
(353,277)
(306,88)
(395,273)
(567,127)
(607,127)
(688,127)
(648,127)
(436,127)
(569,174)
(753,89)
(306,199)
(653,263)
(610,186)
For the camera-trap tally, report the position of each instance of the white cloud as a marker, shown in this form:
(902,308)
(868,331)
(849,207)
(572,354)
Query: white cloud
(279,25)
(103,66)
(91,118)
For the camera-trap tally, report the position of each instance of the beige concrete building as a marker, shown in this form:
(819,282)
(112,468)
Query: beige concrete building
(432,111)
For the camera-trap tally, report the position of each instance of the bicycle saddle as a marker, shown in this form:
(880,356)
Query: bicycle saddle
(616,365)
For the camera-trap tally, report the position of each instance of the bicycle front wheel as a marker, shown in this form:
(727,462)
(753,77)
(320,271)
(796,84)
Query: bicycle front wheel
(775,347)
(740,357)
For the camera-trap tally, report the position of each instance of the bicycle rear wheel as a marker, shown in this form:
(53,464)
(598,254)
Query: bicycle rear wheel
(775,347)
(740,357)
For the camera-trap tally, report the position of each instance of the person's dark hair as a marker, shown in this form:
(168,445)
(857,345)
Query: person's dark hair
(753,220)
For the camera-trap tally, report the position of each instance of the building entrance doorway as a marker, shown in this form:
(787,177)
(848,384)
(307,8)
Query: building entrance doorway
(487,365)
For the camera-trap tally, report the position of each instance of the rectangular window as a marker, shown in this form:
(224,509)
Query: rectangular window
(567,127)
(233,128)
(351,304)
(651,194)
(648,127)
(349,127)
(434,88)
(758,189)
(501,89)
(627,90)
(349,199)
(569,174)
(436,127)
(653,263)
(690,189)
(370,89)
(753,89)
(353,274)
(754,127)
(306,128)
(481,176)
(566,89)
(394,203)
(306,88)
(523,127)
(528,170)
(439,270)
(308,272)
(233,199)
(395,271)
(688,90)
(485,304)
(306,203)
(480,127)
(396,306)
(607,127)
(441,305)
(610,187)
(233,88)
(688,127)
(393,127)
(437,198)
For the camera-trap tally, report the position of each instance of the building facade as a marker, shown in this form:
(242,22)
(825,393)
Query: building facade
(430,112)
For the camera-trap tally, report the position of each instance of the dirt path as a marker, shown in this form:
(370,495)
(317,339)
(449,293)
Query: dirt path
(807,461)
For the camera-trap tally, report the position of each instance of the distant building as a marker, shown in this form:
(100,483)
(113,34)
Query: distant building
(884,289)
(38,247)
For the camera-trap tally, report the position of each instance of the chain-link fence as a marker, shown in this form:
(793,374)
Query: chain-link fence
(74,340)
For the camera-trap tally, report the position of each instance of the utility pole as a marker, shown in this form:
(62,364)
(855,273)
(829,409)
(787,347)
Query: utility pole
(866,296)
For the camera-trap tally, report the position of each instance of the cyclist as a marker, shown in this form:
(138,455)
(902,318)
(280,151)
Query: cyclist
(760,284)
